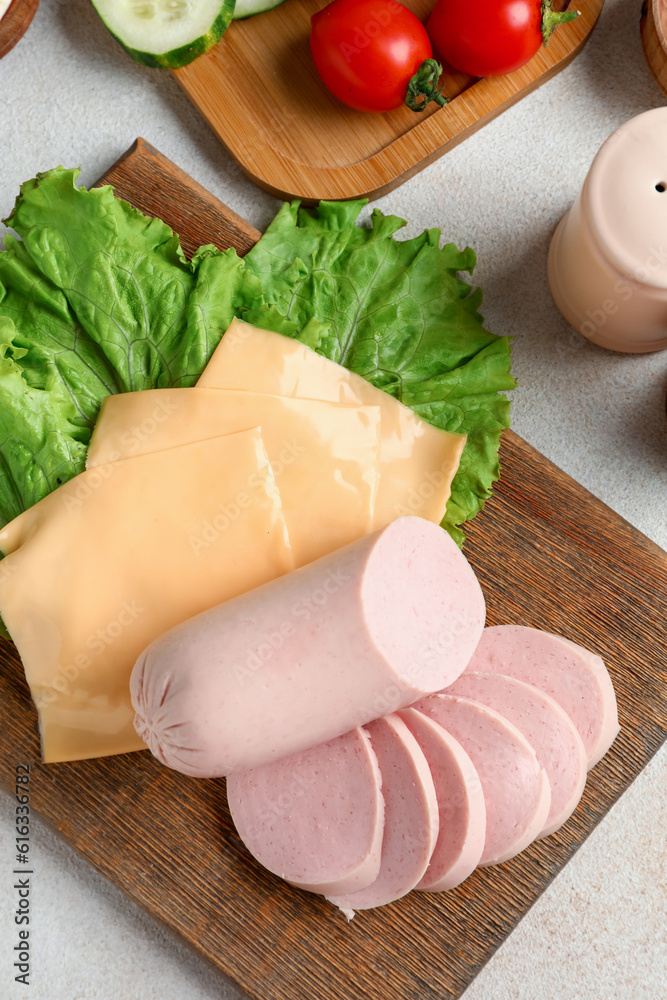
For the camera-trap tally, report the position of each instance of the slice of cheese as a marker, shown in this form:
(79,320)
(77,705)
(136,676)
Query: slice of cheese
(118,555)
(325,456)
(417,460)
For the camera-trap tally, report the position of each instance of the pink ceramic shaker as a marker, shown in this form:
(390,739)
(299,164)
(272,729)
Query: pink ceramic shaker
(608,257)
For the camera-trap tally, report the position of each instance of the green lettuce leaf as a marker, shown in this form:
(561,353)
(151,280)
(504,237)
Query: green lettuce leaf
(95,299)
(123,275)
(51,346)
(40,445)
(396,313)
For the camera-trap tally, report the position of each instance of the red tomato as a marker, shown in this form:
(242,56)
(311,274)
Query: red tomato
(366,51)
(490,37)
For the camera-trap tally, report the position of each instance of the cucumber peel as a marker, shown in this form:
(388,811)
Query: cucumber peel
(248,8)
(166,33)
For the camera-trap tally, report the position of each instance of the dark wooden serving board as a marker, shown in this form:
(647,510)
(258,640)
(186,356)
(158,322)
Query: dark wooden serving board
(548,554)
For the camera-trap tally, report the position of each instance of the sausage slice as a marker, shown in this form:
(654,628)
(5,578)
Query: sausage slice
(315,818)
(410,817)
(515,786)
(461,809)
(547,727)
(573,676)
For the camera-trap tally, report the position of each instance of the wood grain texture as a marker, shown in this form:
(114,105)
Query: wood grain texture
(15,23)
(260,93)
(548,554)
(654,40)
(167,192)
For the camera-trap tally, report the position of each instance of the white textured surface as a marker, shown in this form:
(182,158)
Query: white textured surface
(69,95)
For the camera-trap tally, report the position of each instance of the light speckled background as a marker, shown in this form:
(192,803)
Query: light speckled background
(69,95)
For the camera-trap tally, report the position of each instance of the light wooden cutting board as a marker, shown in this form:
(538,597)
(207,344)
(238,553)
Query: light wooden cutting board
(260,93)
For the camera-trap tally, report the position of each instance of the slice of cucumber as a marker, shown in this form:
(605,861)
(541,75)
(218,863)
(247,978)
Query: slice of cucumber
(167,33)
(246,8)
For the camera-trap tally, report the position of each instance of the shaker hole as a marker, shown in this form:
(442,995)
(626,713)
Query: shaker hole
(660,187)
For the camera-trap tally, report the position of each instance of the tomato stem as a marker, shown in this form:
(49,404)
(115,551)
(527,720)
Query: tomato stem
(552,18)
(423,87)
